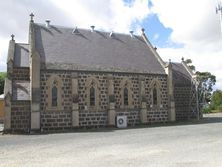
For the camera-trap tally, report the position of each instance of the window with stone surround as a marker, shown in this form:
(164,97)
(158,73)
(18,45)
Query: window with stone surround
(54,93)
(154,96)
(92,96)
(155,93)
(92,89)
(54,96)
(126,93)
(126,98)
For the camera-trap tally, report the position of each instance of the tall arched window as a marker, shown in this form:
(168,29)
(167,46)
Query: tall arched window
(154,96)
(92,96)
(54,96)
(126,97)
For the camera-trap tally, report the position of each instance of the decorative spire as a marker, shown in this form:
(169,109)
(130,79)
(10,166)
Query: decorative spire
(31,17)
(12,37)
(182,58)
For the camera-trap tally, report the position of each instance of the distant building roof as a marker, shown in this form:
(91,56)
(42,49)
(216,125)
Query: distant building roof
(61,48)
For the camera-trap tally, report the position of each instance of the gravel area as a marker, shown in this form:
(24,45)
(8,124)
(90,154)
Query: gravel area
(188,145)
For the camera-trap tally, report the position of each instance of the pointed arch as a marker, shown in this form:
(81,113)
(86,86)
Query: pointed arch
(54,96)
(92,96)
(54,93)
(155,93)
(125,96)
(92,88)
(126,93)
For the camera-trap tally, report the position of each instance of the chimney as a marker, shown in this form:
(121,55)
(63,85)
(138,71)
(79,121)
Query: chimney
(92,28)
(131,33)
(47,23)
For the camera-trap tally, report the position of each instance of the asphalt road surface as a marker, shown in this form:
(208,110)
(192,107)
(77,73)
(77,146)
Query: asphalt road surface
(184,145)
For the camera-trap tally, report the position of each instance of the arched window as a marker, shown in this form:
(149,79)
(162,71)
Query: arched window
(154,96)
(92,96)
(126,97)
(54,96)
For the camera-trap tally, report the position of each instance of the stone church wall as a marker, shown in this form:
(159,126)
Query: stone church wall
(21,74)
(56,120)
(20,116)
(157,116)
(61,119)
(182,100)
(133,116)
(93,119)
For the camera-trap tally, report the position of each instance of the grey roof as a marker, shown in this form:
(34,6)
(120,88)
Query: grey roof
(21,90)
(59,48)
(180,74)
(21,58)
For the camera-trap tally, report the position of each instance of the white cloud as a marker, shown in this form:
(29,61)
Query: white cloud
(104,14)
(195,25)
(107,15)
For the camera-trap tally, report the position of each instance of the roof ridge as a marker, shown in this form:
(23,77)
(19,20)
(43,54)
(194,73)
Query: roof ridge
(88,29)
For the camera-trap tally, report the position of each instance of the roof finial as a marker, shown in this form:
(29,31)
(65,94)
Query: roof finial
(47,23)
(143,30)
(92,28)
(12,37)
(169,60)
(182,58)
(111,34)
(131,33)
(31,17)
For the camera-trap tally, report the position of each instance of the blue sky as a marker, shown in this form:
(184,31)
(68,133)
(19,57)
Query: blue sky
(189,29)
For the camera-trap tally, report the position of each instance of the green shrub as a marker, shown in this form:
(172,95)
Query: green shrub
(206,110)
(219,108)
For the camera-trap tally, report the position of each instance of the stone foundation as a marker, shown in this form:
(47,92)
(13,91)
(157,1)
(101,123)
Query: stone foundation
(56,120)
(20,116)
(133,116)
(157,115)
(93,119)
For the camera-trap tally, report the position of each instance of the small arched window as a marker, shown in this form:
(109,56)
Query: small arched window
(54,96)
(154,96)
(126,97)
(92,96)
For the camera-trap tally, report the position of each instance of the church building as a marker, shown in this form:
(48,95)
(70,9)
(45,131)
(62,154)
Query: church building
(69,78)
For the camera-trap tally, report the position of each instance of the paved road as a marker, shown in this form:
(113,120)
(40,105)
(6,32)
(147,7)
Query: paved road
(193,145)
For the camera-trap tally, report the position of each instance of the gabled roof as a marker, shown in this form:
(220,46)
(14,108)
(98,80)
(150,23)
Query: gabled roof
(21,57)
(180,74)
(59,48)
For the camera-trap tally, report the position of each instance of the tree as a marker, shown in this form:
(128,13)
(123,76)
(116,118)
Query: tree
(2,81)
(189,64)
(206,81)
(216,100)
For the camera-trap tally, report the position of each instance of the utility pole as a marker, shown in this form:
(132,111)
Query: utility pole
(219,11)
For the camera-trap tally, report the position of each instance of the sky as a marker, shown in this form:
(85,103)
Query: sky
(178,28)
